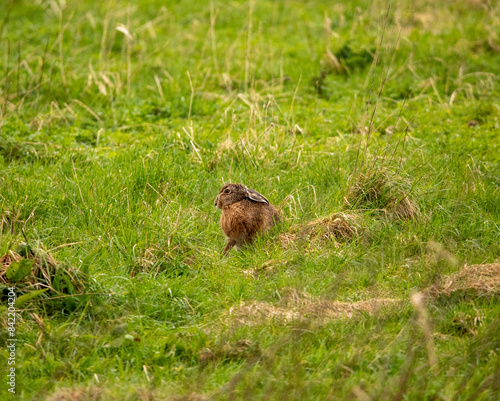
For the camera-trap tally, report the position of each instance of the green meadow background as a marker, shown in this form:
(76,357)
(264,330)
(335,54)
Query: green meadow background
(119,123)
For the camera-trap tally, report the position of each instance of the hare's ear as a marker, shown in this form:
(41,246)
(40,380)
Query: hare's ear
(255,196)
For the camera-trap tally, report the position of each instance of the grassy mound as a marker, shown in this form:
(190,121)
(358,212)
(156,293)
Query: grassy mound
(385,191)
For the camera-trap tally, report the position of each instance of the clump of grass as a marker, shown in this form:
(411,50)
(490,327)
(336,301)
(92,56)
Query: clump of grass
(36,275)
(338,227)
(383,190)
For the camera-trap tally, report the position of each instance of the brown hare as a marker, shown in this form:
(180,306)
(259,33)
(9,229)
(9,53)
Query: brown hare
(245,213)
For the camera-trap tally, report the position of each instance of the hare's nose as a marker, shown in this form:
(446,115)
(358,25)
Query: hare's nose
(215,203)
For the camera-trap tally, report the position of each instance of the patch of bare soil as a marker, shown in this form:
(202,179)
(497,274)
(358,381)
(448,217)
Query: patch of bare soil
(478,280)
(300,306)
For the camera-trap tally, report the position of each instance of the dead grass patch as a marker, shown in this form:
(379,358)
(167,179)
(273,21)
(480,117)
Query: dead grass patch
(339,227)
(301,308)
(477,280)
(330,310)
(255,312)
(287,240)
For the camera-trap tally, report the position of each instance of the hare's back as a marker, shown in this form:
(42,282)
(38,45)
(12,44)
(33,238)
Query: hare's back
(271,216)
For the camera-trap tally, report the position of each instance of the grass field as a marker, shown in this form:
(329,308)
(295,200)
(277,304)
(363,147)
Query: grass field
(373,126)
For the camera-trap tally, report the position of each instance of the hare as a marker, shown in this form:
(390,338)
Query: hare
(245,213)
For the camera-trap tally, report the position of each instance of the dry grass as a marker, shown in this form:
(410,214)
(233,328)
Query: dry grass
(287,240)
(295,305)
(329,310)
(338,227)
(300,306)
(255,312)
(477,280)
(403,207)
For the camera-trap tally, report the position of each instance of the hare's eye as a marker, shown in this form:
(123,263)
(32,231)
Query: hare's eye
(227,190)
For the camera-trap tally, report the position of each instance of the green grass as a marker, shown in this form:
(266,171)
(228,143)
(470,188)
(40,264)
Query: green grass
(118,140)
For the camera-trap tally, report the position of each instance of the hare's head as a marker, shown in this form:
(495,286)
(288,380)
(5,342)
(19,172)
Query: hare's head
(232,193)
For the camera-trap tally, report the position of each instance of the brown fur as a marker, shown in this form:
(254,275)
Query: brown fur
(245,213)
